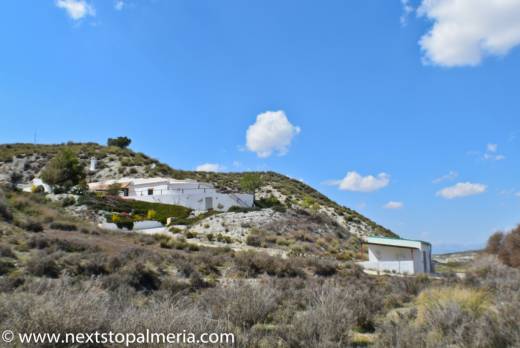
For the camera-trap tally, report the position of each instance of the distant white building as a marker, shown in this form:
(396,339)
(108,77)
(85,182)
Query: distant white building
(187,193)
(398,255)
(36,182)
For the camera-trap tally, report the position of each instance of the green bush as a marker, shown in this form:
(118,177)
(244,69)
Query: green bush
(254,240)
(190,234)
(68,201)
(63,226)
(237,209)
(131,207)
(64,171)
(121,142)
(33,226)
(6,266)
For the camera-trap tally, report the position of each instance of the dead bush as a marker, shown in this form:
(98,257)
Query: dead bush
(506,246)
(62,226)
(327,320)
(5,212)
(42,265)
(252,264)
(445,317)
(322,267)
(6,251)
(32,226)
(62,307)
(241,303)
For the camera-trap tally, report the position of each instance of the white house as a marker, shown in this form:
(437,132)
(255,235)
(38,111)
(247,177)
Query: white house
(188,193)
(36,182)
(398,255)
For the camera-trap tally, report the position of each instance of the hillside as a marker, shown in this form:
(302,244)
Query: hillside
(26,161)
(282,276)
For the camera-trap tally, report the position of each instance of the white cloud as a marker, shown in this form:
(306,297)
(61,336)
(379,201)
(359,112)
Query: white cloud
(76,9)
(394,205)
(465,31)
(450,176)
(353,181)
(462,189)
(407,11)
(209,167)
(491,153)
(492,147)
(272,132)
(119,5)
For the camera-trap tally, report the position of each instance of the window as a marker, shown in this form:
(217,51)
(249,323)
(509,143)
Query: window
(150,192)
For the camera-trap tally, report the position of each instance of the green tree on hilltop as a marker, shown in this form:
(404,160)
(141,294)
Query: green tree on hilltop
(122,142)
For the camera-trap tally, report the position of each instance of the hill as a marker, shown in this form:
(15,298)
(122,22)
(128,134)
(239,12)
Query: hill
(25,161)
(281,276)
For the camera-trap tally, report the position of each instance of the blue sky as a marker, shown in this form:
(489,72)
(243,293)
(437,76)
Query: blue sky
(385,106)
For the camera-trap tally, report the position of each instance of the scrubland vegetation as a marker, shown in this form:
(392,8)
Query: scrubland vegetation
(62,274)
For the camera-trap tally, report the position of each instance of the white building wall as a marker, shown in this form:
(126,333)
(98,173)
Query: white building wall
(404,267)
(191,194)
(394,259)
(197,201)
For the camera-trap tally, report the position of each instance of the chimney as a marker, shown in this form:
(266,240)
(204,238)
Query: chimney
(93,163)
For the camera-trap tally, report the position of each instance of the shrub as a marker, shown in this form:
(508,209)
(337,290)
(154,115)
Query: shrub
(64,170)
(68,201)
(268,202)
(327,320)
(237,209)
(494,243)
(224,239)
(241,303)
(6,251)
(251,264)
(63,226)
(473,301)
(6,266)
(507,246)
(5,212)
(59,308)
(33,226)
(151,214)
(254,240)
(190,234)
(121,142)
(250,182)
(143,278)
(449,317)
(323,268)
(42,265)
